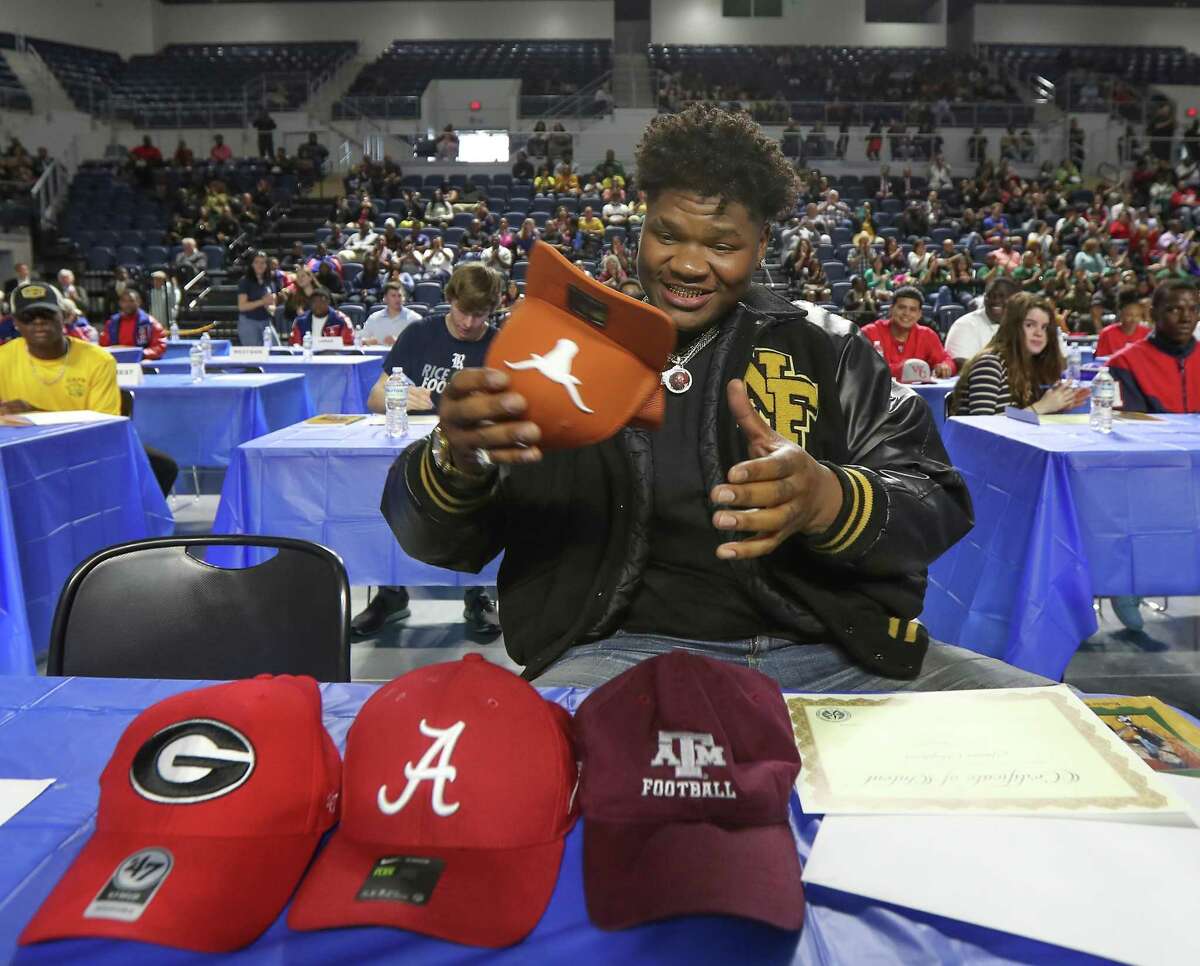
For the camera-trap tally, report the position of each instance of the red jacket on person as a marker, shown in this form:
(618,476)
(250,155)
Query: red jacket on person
(1112,340)
(140,329)
(1158,377)
(922,343)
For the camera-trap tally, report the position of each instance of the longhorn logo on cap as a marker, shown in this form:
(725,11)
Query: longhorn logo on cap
(555,365)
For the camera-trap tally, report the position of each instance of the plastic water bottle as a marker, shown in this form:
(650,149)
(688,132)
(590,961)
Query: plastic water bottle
(1104,391)
(395,404)
(196,358)
(268,341)
(206,346)
(1074,365)
(358,337)
(174,331)
(308,347)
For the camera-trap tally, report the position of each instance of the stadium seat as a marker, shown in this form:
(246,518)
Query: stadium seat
(428,292)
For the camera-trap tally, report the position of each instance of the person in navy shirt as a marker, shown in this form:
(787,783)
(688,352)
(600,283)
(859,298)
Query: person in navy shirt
(430,352)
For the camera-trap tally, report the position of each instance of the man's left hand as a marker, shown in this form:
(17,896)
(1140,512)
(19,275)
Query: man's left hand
(943,370)
(784,490)
(14,406)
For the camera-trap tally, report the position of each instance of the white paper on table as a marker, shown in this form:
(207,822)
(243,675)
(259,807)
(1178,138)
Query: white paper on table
(16,793)
(1117,889)
(68,416)
(1032,751)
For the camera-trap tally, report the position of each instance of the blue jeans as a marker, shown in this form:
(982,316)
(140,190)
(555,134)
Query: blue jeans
(796,667)
(250,331)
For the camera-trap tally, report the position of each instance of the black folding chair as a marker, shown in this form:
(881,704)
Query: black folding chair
(155,609)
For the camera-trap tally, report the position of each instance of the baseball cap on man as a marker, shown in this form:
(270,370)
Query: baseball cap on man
(688,765)
(458,790)
(35,295)
(210,810)
(587,358)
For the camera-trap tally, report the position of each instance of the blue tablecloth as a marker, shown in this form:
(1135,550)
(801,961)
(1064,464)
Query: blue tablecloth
(336,384)
(179,348)
(125,353)
(67,728)
(201,424)
(1063,514)
(324,483)
(65,492)
(935,394)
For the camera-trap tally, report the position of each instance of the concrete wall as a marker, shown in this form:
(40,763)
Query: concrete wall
(803,22)
(1132,25)
(126,26)
(369,23)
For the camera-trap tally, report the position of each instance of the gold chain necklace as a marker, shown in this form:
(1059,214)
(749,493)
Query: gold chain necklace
(61,372)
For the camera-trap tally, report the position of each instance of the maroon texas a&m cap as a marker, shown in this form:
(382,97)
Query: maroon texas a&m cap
(688,765)
(210,809)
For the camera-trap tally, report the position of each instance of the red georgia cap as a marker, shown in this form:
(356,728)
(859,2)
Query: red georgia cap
(688,765)
(458,790)
(210,809)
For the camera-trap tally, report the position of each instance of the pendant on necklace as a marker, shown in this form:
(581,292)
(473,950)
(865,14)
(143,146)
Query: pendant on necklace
(677,379)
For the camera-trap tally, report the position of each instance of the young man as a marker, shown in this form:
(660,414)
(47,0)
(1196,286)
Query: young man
(321,320)
(45,371)
(134,326)
(902,337)
(971,332)
(430,352)
(1161,373)
(384,326)
(1128,328)
(782,517)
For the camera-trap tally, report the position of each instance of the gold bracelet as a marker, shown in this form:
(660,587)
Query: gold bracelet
(439,449)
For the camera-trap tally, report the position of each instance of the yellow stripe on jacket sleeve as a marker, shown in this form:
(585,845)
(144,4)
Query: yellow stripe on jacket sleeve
(446,501)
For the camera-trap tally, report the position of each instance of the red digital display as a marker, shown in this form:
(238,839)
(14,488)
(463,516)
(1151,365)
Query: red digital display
(476,106)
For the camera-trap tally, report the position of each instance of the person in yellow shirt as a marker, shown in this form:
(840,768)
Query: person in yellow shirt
(592,229)
(566,182)
(44,371)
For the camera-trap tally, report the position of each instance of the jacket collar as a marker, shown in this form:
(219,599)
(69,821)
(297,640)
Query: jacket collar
(1179,352)
(761,300)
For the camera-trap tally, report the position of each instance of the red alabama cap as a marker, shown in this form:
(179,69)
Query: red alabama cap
(210,810)
(458,790)
(688,765)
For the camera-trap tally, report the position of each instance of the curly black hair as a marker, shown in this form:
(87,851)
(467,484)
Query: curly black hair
(716,153)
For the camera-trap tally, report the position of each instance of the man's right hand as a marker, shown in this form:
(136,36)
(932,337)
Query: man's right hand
(478,412)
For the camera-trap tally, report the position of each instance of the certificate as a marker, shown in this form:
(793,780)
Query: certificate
(1020,751)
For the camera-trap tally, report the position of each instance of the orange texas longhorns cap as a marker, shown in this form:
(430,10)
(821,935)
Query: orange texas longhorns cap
(588,358)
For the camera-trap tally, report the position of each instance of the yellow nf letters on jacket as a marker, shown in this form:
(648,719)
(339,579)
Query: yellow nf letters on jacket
(783,397)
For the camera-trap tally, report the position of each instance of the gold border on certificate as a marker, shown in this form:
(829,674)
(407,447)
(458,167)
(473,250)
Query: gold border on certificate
(1142,796)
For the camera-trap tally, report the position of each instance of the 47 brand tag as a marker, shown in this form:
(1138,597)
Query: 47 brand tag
(402,878)
(134,883)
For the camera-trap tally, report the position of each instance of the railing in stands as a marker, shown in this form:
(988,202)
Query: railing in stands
(50,190)
(582,103)
(858,113)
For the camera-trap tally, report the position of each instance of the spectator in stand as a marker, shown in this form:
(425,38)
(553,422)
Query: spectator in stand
(323,320)
(1006,257)
(995,225)
(621,254)
(610,167)
(21,275)
(369,284)
(875,140)
(566,181)
(430,352)
(611,273)
(447,144)
(1128,329)
(265,125)
(311,155)
(522,170)
(329,275)
(859,305)
(384,326)
(474,240)
(438,262)
(1012,369)
(971,332)
(616,211)
(940,177)
(220,152)
(132,325)
(913,223)
(543,184)
(832,209)
(256,302)
(1090,259)
(76,325)
(902,337)
(296,257)
(526,238)
(496,257)
(1160,130)
(592,228)
(183,157)
(558,144)
(1161,373)
(146,154)
(190,262)
(163,298)
(439,212)
(919,259)
(70,290)
(298,293)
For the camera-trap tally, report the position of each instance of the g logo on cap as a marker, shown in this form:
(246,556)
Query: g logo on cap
(192,761)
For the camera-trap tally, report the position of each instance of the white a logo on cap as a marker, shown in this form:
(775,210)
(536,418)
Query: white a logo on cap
(426,770)
(695,751)
(555,365)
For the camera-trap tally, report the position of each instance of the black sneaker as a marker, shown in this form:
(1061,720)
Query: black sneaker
(388,604)
(480,614)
